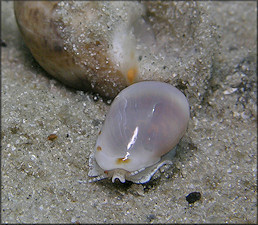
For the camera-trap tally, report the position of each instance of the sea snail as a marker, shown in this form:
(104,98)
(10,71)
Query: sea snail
(82,45)
(142,128)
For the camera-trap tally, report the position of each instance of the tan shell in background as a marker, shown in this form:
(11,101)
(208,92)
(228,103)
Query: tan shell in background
(106,46)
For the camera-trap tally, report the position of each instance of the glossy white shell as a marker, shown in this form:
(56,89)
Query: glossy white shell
(145,122)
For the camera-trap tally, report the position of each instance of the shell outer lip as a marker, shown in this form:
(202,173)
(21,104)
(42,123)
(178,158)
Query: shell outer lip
(139,176)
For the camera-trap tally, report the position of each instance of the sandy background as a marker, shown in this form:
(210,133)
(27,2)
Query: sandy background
(44,181)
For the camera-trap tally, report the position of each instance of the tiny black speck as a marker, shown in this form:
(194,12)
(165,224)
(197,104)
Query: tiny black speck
(232,48)
(193,197)
(3,44)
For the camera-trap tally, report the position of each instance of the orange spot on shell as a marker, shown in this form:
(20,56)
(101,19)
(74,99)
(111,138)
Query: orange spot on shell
(122,161)
(99,148)
(131,75)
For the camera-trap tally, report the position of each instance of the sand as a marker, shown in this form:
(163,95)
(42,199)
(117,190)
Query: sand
(45,181)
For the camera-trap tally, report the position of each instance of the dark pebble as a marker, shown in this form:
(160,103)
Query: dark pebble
(3,44)
(193,197)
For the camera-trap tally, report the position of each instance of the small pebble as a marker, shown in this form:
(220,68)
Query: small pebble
(52,137)
(193,197)
(3,44)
